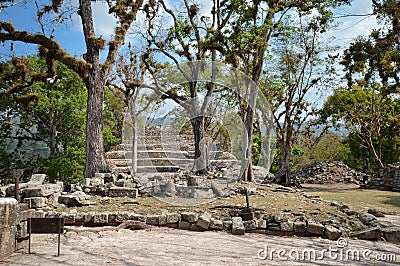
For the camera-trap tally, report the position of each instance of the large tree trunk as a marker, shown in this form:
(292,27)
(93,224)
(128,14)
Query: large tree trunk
(247,169)
(200,146)
(95,161)
(134,144)
(283,175)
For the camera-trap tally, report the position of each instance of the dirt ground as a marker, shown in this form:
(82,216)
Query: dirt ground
(165,246)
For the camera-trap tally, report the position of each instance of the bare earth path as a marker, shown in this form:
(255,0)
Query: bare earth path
(163,246)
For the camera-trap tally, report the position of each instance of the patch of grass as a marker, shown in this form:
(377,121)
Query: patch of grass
(358,199)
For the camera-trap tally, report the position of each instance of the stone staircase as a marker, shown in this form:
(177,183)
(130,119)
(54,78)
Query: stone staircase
(162,150)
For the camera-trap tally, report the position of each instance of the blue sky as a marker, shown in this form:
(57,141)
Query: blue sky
(71,38)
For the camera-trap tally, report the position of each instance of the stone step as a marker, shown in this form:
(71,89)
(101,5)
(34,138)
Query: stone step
(163,162)
(148,169)
(121,154)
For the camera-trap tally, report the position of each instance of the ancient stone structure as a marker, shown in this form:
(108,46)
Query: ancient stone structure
(387,178)
(328,172)
(8,225)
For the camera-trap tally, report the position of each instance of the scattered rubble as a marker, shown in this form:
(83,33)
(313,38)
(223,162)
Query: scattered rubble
(328,172)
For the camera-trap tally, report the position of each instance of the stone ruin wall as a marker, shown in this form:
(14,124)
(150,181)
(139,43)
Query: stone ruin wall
(387,178)
(8,226)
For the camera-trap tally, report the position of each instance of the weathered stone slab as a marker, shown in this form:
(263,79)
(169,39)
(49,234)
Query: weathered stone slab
(332,233)
(123,192)
(8,220)
(36,202)
(153,219)
(392,234)
(250,225)
(315,228)
(204,220)
(190,217)
(373,233)
(183,225)
(287,227)
(37,179)
(100,218)
(173,217)
(237,226)
(43,190)
(216,224)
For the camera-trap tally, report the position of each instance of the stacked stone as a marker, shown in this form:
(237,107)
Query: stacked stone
(328,172)
(387,178)
(8,226)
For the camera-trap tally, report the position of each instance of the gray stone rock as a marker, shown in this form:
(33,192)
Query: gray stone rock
(216,189)
(332,233)
(366,218)
(227,224)
(204,220)
(373,233)
(123,192)
(37,179)
(287,226)
(261,224)
(153,220)
(392,234)
(250,225)
(216,224)
(315,228)
(36,202)
(173,217)
(280,217)
(69,218)
(190,217)
(237,226)
(183,225)
(100,218)
(163,220)
(269,218)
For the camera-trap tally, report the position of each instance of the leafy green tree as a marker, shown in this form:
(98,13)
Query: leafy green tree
(371,119)
(92,69)
(55,119)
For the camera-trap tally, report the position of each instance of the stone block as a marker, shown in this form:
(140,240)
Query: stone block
(216,224)
(36,202)
(315,228)
(89,217)
(392,234)
(237,226)
(153,219)
(300,227)
(373,233)
(24,215)
(8,229)
(250,225)
(287,227)
(123,192)
(261,224)
(137,217)
(37,179)
(227,224)
(190,217)
(195,227)
(69,218)
(332,233)
(204,220)
(163,220)
(173,217)
(43,190)
(183,225)
(100,218)
(280,217)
